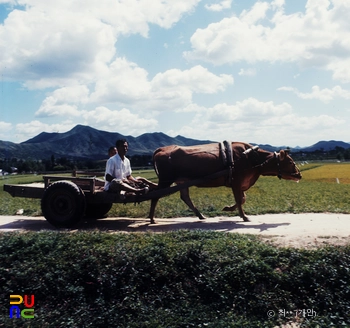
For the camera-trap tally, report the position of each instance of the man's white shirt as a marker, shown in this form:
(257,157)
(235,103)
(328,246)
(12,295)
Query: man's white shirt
(117,168)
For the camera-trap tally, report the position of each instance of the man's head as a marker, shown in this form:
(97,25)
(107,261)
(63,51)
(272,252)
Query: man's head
(122,147)
(112,151)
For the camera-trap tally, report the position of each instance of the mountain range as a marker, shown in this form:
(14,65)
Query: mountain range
(84,142)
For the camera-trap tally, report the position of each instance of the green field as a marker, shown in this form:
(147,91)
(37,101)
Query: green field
(323,188)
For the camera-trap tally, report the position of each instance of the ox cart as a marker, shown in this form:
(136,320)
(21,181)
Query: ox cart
(66,200)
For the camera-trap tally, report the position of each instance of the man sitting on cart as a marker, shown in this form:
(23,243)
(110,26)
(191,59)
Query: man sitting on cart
(118,176)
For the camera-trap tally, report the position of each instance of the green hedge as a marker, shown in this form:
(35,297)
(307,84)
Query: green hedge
(176,279)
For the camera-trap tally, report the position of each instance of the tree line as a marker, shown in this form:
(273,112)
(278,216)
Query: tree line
(59,164)
(338,153)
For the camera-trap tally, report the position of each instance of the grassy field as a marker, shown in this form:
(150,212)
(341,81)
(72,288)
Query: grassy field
(324,188)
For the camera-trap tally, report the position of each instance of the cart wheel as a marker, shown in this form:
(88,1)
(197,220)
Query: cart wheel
(97,211)
(63,204)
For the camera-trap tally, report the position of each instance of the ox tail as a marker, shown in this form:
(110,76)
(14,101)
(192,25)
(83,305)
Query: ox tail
(155,161)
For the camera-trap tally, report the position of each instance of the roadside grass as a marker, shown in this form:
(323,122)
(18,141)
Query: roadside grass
(318,191)
(175,279)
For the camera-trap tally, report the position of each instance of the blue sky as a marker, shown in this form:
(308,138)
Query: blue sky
(274,72)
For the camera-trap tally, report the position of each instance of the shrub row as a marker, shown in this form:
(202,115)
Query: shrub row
(175,279)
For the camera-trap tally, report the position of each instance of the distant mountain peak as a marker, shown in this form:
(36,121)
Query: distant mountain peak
(42,137)
(85,142)
(327,145)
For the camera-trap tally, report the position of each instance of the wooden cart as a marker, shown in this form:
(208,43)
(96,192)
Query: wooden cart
(66,200)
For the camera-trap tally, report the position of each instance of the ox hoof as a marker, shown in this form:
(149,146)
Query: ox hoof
(153,222)
(229,208)
(245,219)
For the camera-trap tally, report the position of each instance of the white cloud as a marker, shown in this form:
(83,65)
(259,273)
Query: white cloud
(9,2)
(102,118)
(164,13)
(325,95)
(305,123)
(319,37)
(50,108)
(128,84)
(247,72)
(25,131)
(249,110)
(5,127)
(47,49)
(265,122)
(340,69)
(126,17)
(57,104)
(122,82)
(174,89)
(278,4)
(225,4)
(123,121)
(51,44)
(196,79)
(255,14)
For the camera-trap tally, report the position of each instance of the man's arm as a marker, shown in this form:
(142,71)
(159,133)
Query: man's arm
(110,170)
(109,178)
(131,178)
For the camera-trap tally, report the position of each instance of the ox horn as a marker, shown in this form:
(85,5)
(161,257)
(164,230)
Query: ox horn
(283,154)
(250,149)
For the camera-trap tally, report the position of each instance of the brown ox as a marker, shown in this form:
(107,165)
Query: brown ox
(241,165)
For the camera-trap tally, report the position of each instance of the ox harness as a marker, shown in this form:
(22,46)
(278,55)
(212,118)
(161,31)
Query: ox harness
(275,156)
(225,152)
(279,174)
(226,155)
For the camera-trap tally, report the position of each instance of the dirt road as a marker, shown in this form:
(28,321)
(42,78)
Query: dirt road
(298,230)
